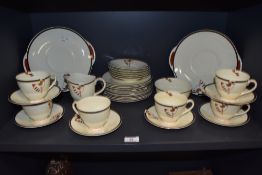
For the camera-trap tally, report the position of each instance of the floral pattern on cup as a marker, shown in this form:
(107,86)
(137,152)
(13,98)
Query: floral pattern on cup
(171,112)
(221,107)
(39,87)
(227,86)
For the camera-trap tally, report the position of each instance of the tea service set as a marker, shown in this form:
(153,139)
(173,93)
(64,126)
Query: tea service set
(129,80)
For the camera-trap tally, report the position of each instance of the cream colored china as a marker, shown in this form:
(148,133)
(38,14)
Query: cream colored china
(211,92)
(206,112)
(82,85)
(128,64)
(184,121)
(200,54)
(38,112)
(171,105)
(19,98)
(24,121)
(173,84)
(232,84)
(112,81)
(226,111)
(59,50)
(77,125)
(93,110)
(35,85)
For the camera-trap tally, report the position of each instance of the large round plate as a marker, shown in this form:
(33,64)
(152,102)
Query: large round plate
(200,54)
(59,51)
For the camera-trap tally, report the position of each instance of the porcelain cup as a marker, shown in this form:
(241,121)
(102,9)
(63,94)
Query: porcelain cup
(35,85)
(38,112)
(82,85)
(171,105)
(232,84)
(228,111)
(93,110)
(173,84)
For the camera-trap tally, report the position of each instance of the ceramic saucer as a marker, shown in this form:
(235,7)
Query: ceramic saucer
(211,91)
(183,122)
(206,112)
(18,97)
(24,121)
(77,125)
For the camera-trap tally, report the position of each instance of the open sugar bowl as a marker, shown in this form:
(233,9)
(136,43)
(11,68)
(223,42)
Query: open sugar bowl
(173,84)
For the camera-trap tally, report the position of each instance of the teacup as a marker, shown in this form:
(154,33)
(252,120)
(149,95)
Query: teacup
(38,112)
(227,111)
(82,85)
(93,110)
(173,84)
(35,85)
(232,84)
(171,105)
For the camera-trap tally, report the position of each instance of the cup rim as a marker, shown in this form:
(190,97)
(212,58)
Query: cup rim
(30,81)
(156,101)
(93,112)
(235,81)
(80,84)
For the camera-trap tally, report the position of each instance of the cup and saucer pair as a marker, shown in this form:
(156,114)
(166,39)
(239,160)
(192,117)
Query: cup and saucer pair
(172,110)
(207,113)
(77,125)
(99,118)
(24,121)
(184,121)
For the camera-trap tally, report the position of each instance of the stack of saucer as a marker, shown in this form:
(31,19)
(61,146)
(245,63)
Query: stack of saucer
(128,80)
(230,98)
(35,96)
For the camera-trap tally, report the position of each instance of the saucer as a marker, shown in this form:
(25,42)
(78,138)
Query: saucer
(77,125)
(184,121)
(18,97)
(24,121)
(206,112)
(211,91)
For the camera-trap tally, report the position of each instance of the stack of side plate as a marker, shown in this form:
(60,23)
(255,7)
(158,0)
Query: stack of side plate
(128,69)
(131,87)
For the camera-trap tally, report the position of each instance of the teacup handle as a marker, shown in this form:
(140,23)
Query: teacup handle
(190,108)
(74,108)
(241,113)
(252,89)
(103,88)
(53,83)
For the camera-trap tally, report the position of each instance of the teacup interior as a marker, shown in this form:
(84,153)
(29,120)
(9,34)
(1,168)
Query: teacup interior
(232,75)
(170,98)
(32,76)
(78,78)
(93,104)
